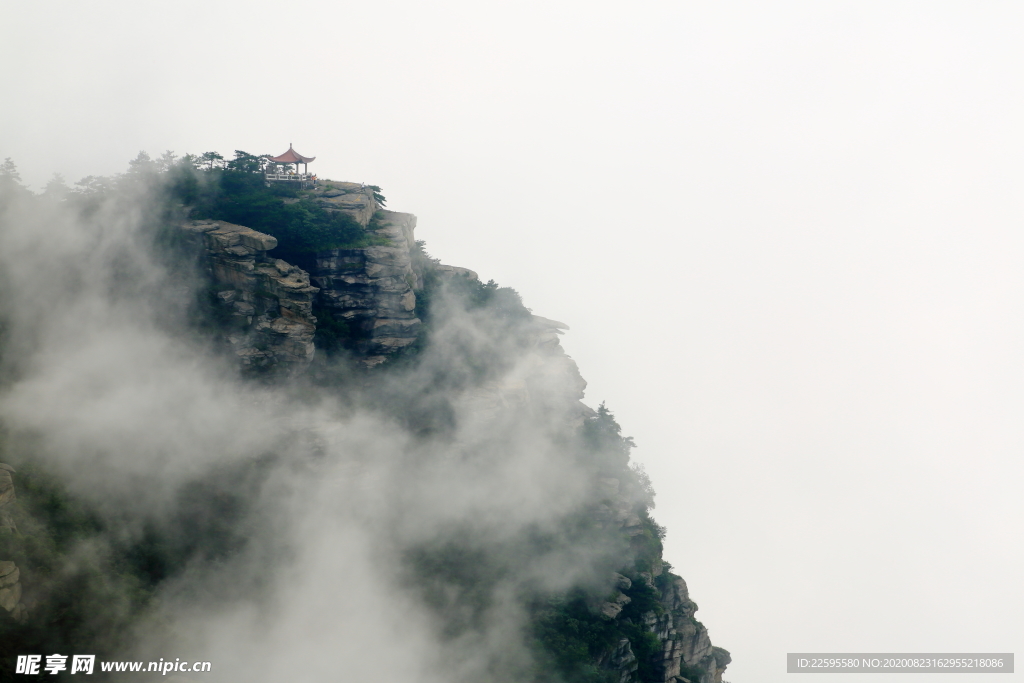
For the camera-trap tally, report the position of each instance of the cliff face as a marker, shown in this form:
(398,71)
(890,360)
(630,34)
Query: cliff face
(490,519)
(266,303)
(686,655)
(685,640)
(269,305)
(685,652)
(373,288)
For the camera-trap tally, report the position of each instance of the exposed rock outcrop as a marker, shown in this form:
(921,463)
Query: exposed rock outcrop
(622,660)
(7,497)
(10,575)
(685,640)
(611,608)
(372,288)
(266,302)
(355,199)
(456,271)
(686,652)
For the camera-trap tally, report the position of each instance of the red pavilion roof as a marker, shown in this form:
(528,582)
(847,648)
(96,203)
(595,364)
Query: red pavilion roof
(291,157)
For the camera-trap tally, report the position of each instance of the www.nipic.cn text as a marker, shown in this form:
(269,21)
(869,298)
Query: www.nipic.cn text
(86,664)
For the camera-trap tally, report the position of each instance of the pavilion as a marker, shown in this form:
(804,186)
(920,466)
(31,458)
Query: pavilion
(292,157)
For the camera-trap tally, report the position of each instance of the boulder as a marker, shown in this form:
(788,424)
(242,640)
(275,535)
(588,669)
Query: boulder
(10,596)
(10,579)
(611,609)
(268,301)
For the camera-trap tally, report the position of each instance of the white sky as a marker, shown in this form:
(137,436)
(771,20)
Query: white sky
(786,237)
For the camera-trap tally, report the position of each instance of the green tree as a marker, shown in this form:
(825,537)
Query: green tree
(246,163)
(377,195)
(211,158)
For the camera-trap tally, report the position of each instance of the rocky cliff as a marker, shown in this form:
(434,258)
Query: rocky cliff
(685,640)
(685,653)
(267,304)
(373,288)
(272,309)
(442,439)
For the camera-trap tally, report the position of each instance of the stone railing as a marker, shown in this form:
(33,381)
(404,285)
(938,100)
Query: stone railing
(291,177)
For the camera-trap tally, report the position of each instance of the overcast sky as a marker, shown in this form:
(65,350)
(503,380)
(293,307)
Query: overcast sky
(786,236)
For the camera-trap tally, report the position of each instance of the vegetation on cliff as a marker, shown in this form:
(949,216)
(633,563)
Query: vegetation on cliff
(238,194)
(577,594)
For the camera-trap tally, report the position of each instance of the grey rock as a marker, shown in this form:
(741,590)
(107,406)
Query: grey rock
(7,496)
(10,578)
(372,288)
(6,488)
(548,324)
(612,608)
(622,660)
(684,639)
(352,199)
(456,271)
(270,300)
(10,596)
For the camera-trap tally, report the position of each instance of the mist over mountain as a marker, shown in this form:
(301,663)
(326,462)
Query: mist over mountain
(260,426)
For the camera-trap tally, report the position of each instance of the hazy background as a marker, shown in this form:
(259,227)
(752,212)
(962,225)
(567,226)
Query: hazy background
(786,237)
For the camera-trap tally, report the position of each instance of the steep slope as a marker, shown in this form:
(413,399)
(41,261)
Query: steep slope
(355,451)
(641,620)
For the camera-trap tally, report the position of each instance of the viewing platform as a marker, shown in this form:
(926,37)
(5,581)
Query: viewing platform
(291,177)
(285,168)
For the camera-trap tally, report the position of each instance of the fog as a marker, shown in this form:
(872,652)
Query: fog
(320,506)
(785,238)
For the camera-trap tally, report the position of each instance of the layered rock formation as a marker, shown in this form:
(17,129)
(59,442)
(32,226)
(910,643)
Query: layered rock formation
(266,303)
(685,640)
(355,199)
(686,655)
(269,303)
(373,288)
